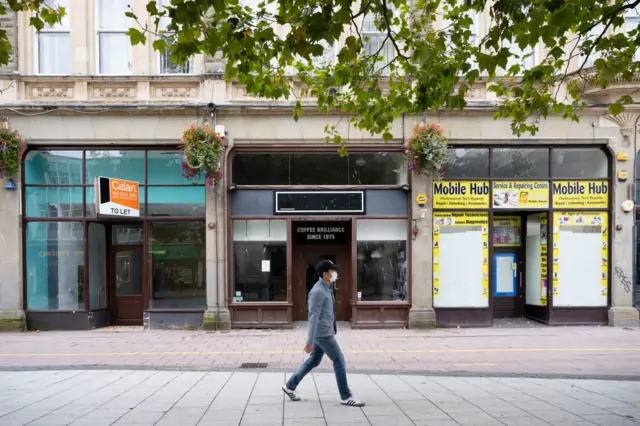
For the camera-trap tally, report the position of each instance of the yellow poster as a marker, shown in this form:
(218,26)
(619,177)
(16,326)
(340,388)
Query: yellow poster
(581,194)
(565,219)
(506,231)
(461,194)
(444,220)
(543,259)
(520,194)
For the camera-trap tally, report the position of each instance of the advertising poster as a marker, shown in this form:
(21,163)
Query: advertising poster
(599,219)
(520,194)
(506,231)
(461,194)
(442,220)
(543,258)
(576,194)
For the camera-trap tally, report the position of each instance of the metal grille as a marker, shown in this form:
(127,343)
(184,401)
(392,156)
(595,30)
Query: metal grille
(249,365)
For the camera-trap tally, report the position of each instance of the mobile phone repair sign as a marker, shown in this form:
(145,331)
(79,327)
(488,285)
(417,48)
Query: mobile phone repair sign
(117,197)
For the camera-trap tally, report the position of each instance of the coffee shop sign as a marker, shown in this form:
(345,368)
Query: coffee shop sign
(319,233)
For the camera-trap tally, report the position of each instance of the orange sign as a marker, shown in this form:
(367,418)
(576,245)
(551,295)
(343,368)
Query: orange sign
(117,197)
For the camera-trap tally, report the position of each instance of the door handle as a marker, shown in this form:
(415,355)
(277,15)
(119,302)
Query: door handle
(520,279)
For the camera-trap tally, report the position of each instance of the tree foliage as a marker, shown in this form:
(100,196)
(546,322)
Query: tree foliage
(429,61)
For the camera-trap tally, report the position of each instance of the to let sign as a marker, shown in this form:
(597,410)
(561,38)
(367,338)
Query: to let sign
(117,197)
(314,233)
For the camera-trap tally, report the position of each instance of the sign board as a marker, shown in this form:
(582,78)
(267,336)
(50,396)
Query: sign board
(319,202)
(520,194)
(461,195)
(592,194)
(320,233)
(117,197)
(506,231)
(421,200)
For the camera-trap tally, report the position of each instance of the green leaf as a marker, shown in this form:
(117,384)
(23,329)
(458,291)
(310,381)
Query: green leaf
(137,37)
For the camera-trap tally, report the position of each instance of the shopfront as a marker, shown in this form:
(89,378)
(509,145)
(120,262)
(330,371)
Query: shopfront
(84,270)
(522,232)
(289,210)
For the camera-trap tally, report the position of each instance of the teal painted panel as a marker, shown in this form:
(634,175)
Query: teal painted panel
(53,201)
(176,201)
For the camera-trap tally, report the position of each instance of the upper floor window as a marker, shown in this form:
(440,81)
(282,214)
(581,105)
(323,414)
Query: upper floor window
(473,28)
(631,22)
(328,56)
(526,58)
(594,37)
(114,46)
(376,43)
(168,65)
(54,47)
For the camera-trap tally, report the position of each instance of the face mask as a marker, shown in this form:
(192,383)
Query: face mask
(334,277)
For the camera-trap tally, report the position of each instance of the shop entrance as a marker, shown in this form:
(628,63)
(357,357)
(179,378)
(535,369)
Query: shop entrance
(126,278)
(314,242)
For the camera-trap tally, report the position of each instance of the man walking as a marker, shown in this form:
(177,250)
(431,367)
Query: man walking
(321,339)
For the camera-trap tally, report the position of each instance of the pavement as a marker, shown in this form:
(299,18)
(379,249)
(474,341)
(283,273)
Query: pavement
(522,350)
(181,398)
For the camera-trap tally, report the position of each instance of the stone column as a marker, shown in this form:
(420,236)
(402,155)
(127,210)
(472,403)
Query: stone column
(12,316)
(421,314)
(623,312)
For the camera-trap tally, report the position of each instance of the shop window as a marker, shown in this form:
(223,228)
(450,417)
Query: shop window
(579,163)
(127,165)
(379,168)
(97,248)
(260,260)
(55,266)
(637,286)
(520,163)
(176,201)
(165,168)
(382,260)
(52,167)
(467,163)
(177,252)
(53,201)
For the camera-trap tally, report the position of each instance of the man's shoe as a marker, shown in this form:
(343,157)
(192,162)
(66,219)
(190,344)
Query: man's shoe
(291,394)
(352,402)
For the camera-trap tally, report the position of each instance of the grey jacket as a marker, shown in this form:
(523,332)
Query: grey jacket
(321,312)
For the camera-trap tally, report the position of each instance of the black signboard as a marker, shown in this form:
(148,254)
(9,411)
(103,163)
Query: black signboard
(320,233)
(319,202)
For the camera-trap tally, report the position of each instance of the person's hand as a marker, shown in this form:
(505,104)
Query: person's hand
(307,349)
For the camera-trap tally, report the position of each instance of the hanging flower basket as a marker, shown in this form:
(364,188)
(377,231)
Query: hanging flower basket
(202,150)
(12,148)
(426,150)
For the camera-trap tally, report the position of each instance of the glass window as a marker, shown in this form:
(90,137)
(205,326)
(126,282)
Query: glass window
(579,163)
(91,202)
(165,167)
(54,47)
(53,168)
(55,266)
(380,168)
(467,163)
(97,247)
(176,201)
(382,259)
(57,201)
(177,251)
(167,65)
(114,44)
(520,163)
(319,169)
(376,42)
(127,165)
(260,169)
(260,260)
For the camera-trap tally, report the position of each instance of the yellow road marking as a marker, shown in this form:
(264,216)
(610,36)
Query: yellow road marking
(295,352)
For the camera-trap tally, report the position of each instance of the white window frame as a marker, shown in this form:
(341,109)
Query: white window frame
(99,31)
(377,33)
(473,28)
(523,64)
(65,28)
(161,55)
(632,16)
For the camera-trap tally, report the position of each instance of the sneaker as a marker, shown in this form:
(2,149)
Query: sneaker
(291,394)
(352,402)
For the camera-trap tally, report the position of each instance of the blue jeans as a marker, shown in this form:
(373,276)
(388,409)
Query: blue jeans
(322,346)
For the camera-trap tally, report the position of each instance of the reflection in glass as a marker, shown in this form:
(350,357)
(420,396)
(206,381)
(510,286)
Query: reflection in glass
(176,201)
(316,169)
(380,168)
(128,271)
(260,260)
(122,235)
(520,163)
(165,167)
(53,168)
(260,169)
(55,265)
(177,251)
(579,163)
(467,163)
(97,246)
(127,165)
(55,201)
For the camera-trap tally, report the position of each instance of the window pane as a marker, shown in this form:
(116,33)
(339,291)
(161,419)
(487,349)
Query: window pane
(165,167)
(260,169)
(521,163)
(55,265)
(91,202)
(127,235)
(382,264)
(54,53)
(54,4)
(168,66)
(177,251)
(467,163)
(53,168)
(53,201)
(176,201)
(319,169)
(115,53)
(127,165)
(260,260)
(111,15)
(97,246)
(380,168)
(580,163)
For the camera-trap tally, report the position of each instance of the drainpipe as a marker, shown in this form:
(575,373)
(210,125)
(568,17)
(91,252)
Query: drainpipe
(635,227)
